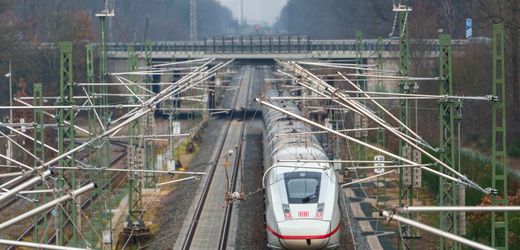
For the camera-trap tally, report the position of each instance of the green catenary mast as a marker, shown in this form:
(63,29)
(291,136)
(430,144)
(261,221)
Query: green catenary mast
(39,151)
(405,174)
(448,149)
(499,223)
(66,211)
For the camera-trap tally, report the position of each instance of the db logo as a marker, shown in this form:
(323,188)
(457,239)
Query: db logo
(303,214)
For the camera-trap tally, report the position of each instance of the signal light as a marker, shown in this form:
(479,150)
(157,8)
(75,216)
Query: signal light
(286,212)
(319,211)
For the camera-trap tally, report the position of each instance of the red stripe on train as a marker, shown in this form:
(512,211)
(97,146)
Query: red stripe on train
(302,237)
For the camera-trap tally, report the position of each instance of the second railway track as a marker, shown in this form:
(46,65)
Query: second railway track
(210,224)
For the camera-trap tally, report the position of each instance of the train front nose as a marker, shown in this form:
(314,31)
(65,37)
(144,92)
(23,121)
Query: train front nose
(304,234)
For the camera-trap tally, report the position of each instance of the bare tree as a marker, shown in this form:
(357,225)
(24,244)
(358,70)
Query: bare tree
(448,14)
(508,13)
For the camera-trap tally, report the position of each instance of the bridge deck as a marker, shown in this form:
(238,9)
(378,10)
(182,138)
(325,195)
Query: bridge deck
(259,47)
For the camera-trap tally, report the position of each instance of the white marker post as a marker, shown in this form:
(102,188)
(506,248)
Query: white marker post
(379,164)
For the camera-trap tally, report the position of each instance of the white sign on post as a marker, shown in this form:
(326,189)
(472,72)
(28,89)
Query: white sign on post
(171,165)
(23,125)
(160,162)
(176,128)
(379,164)
(337,164)
(107,237)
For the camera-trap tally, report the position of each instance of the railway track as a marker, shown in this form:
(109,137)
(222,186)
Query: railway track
(235,170)
(215,159)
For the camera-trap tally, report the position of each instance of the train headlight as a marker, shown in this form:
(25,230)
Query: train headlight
(319,211)
(286,212)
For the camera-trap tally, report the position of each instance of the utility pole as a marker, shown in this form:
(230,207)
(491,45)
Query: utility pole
(193,20)
(9,143)
(241,12)
(146,25)
(10,95)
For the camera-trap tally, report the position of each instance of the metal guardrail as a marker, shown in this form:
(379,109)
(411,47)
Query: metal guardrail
(277,45)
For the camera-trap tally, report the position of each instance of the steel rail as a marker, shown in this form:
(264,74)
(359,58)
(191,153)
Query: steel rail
(205,190)
(236,166)
(214,159)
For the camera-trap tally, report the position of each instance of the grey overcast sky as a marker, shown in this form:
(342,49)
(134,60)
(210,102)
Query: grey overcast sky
(256,11)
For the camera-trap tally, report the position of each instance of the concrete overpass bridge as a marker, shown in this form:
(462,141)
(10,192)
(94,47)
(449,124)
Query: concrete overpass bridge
(273,47)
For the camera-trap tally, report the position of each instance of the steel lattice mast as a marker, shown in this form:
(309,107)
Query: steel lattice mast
(380,87)
(499,223)
(66,137)
(380,136)
(360,121)
(39,151)
(449,117)
(148,123)
(405,175)
(137,155)
(103,153)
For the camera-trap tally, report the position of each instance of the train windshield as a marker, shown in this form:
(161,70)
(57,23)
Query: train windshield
(302,187)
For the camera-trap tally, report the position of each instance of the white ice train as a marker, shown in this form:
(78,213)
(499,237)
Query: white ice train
(301,198)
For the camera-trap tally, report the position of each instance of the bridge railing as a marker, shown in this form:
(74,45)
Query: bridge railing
(279,45)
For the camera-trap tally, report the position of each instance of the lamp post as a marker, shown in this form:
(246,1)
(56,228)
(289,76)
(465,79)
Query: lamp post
(10,92)
(10,75)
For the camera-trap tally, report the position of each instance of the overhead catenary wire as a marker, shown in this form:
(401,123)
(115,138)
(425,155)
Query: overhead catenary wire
(368,178)
(37,245)
(132,170)
(53,116)
(39,142)
(262,102)
(392,216)
(174,88)
(47,205)
(361,108)
(133,116)
(413,209)
(461,181)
